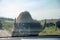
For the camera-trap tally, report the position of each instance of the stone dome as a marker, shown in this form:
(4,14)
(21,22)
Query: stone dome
(24,17)
(25,25)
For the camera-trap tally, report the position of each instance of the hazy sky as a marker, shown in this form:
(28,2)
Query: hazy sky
(39,9)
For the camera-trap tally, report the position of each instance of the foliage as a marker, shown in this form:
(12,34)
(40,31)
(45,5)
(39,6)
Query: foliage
(50,31)
(8,25)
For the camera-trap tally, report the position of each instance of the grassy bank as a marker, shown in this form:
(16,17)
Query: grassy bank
(8,25)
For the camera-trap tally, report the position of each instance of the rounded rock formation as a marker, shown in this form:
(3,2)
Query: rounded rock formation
(26,26)
(24,17)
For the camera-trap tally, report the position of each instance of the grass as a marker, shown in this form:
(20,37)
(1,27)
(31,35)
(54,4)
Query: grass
(8,25)
(53,30)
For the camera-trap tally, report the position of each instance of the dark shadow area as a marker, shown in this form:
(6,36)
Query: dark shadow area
(58,24)
(27,29)
(0,24)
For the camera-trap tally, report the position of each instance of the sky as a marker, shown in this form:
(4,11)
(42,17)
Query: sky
(39,9)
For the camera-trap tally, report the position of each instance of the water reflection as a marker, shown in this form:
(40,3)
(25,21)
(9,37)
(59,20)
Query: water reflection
(29,38)
(43,39)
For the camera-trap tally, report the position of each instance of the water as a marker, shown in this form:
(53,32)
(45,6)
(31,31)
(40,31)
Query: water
(29,38)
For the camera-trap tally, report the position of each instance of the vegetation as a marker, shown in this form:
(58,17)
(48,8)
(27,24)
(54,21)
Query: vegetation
(52,30)
(8,25)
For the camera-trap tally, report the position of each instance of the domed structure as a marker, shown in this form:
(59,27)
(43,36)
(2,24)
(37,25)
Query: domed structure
(25,25)
(24,17)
